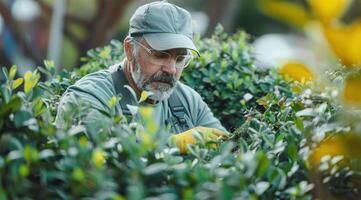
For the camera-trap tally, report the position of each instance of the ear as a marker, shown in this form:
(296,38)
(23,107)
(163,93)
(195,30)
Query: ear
(128,49)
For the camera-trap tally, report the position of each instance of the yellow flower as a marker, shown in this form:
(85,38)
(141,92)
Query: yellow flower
(296,71)
(344,40)
(351,93)
(286,11)
(347,145)
(330,11)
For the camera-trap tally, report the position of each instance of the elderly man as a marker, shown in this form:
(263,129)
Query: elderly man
(159,46)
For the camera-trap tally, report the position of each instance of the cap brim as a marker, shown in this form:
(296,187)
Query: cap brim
(165,41)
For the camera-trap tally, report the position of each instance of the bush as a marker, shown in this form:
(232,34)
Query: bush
(225,75)
(276,132)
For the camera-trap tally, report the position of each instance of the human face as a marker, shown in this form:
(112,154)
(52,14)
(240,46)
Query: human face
(160,79)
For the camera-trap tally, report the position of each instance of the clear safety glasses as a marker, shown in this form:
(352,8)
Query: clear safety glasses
(162,57)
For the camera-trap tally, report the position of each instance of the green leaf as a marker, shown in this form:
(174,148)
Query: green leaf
(24,170)
(105,52)
(299,123)
(143,96)
(17,83)
(30,79)
(263,164)
(13,155)
(38,107)
(12,72)
(261,187)
(98,157)
(2,194)
(292,151)
(133,109)
(1,162)
(49,65)
(20,117)
(12,106)
(6,73)
(155,168)
(6,94)
(46,153)
(78,174)
(277,177)
(30,154)
(173,160)
(112,102)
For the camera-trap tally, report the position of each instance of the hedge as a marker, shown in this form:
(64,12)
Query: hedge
(278,147)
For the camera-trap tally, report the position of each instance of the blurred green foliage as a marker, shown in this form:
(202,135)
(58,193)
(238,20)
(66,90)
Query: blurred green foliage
(266,157)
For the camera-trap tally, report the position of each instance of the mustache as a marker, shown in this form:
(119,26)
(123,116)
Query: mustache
(171,80)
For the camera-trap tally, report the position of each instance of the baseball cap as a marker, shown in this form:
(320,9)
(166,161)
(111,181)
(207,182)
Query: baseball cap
(163,25)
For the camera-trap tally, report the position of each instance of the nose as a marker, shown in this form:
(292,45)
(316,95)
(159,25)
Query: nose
(169,67)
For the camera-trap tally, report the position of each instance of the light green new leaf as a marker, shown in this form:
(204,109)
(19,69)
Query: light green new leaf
(17,83)
(12,72)
(49,64)
(30,81)
(105,53)
(143,96)
(112,102)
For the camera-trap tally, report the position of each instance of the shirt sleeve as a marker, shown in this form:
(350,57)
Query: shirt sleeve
(75,108)
(84,100)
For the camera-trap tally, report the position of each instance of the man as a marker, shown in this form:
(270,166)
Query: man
(159,46)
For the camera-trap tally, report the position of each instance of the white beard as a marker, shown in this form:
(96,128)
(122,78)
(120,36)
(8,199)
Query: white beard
(164,90)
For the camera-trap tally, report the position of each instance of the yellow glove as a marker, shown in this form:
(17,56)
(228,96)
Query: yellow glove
(185,138)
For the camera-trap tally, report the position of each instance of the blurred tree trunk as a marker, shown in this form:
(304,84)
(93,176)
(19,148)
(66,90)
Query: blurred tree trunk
(104,24)
(17,33)
(222,12)
(99,30)
(55,42)
(4,60)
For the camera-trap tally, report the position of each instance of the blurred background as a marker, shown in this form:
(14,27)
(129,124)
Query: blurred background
(307,35)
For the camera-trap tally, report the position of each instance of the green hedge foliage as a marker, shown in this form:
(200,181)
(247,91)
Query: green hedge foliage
(273,132)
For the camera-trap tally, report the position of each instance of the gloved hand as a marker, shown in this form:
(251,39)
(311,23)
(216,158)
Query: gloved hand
(185,138)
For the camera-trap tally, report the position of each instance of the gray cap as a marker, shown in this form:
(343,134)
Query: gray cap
(163,25)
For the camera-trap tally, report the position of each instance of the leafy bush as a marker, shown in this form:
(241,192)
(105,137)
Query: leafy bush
(276,132)
(227,79)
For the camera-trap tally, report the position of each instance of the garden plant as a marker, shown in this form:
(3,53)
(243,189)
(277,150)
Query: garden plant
(289,139)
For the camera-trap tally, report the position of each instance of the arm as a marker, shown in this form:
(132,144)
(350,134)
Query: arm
(75,108)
